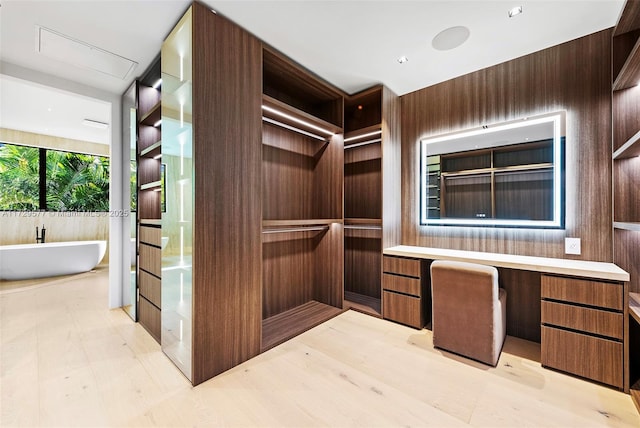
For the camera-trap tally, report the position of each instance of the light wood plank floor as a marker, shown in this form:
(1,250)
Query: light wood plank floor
(66,360)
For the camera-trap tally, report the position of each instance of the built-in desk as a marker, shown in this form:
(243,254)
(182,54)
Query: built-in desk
(577,310)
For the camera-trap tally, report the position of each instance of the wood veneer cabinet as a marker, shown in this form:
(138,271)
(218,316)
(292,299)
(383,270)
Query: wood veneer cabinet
(371,193)
(211,134)
(406,298)
(302,221)
(148,213)
(583,328)
(626,168)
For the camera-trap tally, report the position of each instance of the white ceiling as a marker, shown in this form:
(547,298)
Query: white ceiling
(352,44)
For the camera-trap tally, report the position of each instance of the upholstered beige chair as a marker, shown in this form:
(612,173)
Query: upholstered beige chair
(469,310)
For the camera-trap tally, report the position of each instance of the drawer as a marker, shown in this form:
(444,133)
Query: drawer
(401,284)
(401,265)
(587,356)
(150,288)
(402,308)
(594,321)
(150,235)
(150,259)
(149,318)
(586,292)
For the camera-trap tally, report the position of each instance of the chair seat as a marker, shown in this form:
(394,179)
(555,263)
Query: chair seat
(469,310)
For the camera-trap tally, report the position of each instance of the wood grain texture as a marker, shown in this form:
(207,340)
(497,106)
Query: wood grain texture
(593,293)
(328,286)
(362,187)
(150,259)
(523,302)
(301,177)
(589,320)
(630,72)
(574,76)
(150,288)
(363,109)
(622,47)
(391,168)
(362,265)
(287,274)
(369,152)
(626,115)
(587,356)
(362,303)
(403,309)
(401,266)
(401,284)
(626,192)
(227,247)
(151,235)
(149,318)
(284,326)
(629,19)
(292,84)
(627,256)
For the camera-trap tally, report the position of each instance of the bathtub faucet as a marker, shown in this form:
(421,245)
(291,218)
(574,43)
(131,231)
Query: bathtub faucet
(40,236)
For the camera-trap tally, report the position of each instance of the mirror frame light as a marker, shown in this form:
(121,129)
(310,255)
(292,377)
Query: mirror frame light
(558,119)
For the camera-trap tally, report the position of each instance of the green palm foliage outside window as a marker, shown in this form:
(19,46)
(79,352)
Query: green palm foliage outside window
(73,181)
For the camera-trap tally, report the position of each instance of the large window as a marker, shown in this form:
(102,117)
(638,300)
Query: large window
(32,178)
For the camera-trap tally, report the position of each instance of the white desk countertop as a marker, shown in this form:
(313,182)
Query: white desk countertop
(581,268)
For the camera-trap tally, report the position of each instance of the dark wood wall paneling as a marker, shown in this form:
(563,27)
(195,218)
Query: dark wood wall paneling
(227,93)
(574,76)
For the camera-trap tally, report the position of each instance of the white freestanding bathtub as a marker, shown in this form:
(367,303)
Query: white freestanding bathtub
(28,261)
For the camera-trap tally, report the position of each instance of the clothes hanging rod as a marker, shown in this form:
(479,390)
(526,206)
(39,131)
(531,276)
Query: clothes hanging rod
(364,143)
(293,128)
(297,229)
(363,227)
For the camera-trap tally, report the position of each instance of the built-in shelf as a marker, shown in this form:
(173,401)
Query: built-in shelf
(363,221)
(306,222)
(629,74)
(362,303)
(368,133)
(153,185)
(282,114)
(152,116)
(152,151)
(283,326)
(634,306)
(634,226)
(629,149)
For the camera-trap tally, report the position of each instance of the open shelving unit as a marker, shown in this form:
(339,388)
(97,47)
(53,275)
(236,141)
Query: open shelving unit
(626,174)
(148,200)
(371,172)
(302,226)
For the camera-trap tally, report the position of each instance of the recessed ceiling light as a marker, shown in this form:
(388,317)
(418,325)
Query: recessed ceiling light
(450,38)
(403,59)
(515,11)
(95,124)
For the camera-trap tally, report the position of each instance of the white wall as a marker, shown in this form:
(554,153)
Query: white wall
(116,202)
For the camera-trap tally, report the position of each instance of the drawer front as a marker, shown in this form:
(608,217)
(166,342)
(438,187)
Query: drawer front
(401,284)
(403,309)
(594,293)
(150,259)
(594,321)
(150,235)
(150,288)
(401,265)
(587,356)
(149,318)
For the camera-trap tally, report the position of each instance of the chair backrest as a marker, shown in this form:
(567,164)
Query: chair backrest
(466,283)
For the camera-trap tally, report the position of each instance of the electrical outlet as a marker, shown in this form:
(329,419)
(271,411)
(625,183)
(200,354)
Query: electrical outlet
(572,246)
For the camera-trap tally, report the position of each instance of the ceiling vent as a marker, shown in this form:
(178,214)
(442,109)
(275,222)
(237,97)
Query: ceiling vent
(64,48)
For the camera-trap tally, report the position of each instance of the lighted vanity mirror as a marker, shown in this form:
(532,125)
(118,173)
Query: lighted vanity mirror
(509,174)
